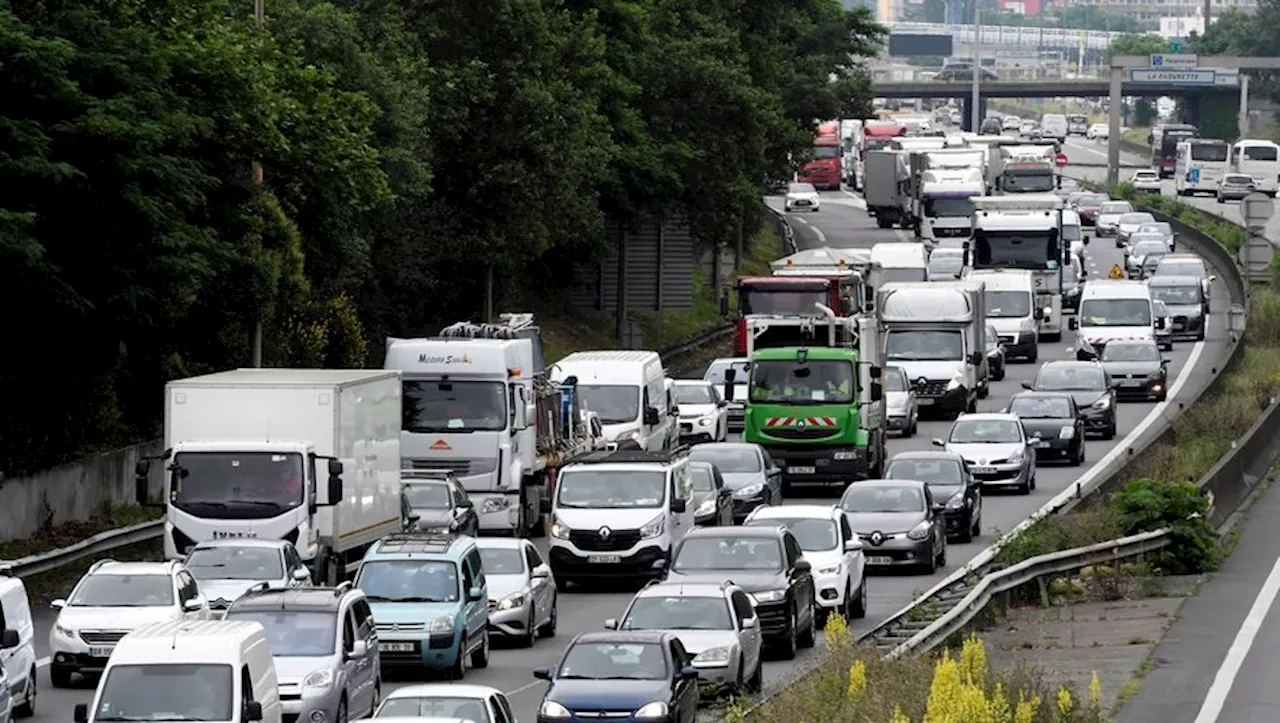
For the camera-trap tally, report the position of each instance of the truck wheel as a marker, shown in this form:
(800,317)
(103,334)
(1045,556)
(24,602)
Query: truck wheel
(883,222)
(972,405)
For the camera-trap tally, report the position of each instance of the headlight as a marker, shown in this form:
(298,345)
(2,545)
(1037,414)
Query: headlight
(64,632)
(511,602)
(552,709)
(636,437)
(652,710)
(654,528)
(442,624)
(322,678)
(1067,433)
(494,504)
(920,531)
(845,455)
(714,655)
(706,508)
(768,596)
(704,422)
(832,570)
(559,530)
(956,382)
(750,490)
(1016,457)
(1103,403)
(956,501)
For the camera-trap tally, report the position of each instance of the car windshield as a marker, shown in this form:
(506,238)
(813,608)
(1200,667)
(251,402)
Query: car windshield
(703,479)
(678,612)
(294,633)
(236,563)
(502,561)
(807,382)
(166,692)
(449,406)
(949,264)
(729,460)
(1008,304)
(729,553)
(105,590)
(614,661)
(409,580)
(1135,219)
(1180,268)
(615,403)
(1116,207)
(924,345)
(715,372)
(894,380)
(583,487)
(813,534)
(1054,378)
(427,495)
(1041,407)
(694,394)
(442,706)
(1115,312)
(1183,295)
(931,471)
(985,431)
(1159,227)
(1146,248)
(882,498)
(1123,352)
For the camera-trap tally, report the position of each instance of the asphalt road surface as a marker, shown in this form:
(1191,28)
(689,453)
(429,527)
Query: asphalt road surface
(842,222)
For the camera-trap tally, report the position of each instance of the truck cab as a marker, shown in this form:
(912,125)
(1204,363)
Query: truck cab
(936,332)
(1025,232)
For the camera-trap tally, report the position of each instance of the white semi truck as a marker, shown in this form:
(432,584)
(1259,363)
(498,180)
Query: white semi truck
(311,456)
(1024,231)
(1023,168)
(948,178)
(478,403)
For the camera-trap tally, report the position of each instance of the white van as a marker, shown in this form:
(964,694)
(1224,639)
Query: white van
(1111,310)
(899,262)
(1259,160)
(628,390)
(18,652)
(1054,125)
(1010,295)
(1073,233)
(217,671)
(619,515)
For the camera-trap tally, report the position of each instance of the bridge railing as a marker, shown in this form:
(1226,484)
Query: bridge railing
(1014,37)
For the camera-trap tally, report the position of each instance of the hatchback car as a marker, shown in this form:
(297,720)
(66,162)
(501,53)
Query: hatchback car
(704,415)
(1164,229)
(831,547)
(1183,297)
(1089,385)
(225,569)
(633,676)
(1136,253)
(995,355)
(112,599)
(1097,131)
(1145,180)
(478,703)
(1055,419)
(1234,187)
(953,488)
(433,501)
(716,375)
(1137,369)
(902,408)
(1128,223)
(1188,265)
(996,449)
(715,622)
(898,524)
(1108,218)
(1011,123)
(801,197)
(522,592)
(712,499)
(1088,207)
(749,472)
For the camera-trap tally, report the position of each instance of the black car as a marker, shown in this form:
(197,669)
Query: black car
(1089,385)
(1055,418)
(1137,369)
(954,489)
(991,127)
(712,502)
(768,564)
(647,675)
(434,501)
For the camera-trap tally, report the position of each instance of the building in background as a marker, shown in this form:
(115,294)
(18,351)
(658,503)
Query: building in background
(1154,12)
(1181,27)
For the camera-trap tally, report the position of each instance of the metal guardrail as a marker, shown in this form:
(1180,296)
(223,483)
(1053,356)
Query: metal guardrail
(96,545)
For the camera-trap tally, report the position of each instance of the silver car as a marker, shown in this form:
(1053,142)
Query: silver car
(1129,223)
(226,569)
(1164,229)
(1138,252)
(748,471)
(902,409)
(995,355)
(1184,298)
(1188,265)
(522,592)
(897,523)
(996,449)
(1108,219)
(717,624)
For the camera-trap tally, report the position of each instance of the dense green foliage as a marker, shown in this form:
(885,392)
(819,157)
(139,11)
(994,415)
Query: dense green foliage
(407,148)
(1239,33)
(1145,505)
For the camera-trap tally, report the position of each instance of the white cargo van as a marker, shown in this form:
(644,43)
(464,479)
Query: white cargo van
(17,649)
(628,390)
(905,261)
(1111,310)
(1011,309)
(1053,125)
(211,671)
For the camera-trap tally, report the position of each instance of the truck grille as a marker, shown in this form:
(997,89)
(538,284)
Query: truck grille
(102,637)
(592,541)
(930,387)
(820,433)
(456,466)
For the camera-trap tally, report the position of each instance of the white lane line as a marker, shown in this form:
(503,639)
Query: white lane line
(858,201)
(523,688)
(1226,677)
(799,220)
(822,239)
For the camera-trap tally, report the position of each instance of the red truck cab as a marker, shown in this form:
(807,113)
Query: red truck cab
(786,296)
(825,171)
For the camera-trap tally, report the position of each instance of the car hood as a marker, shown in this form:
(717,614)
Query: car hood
(226,592)
(802,196)
(694,411)
(89,618)
(896,400)
(864,523)
(391,612)
(628,518)
(698,641)
(1108,218)
(429,517)
(1011,325)
(607,694)
(748,580)
(1122,367)
(291,670)
(934,370)
(738,480)
(984,453)
(501,586)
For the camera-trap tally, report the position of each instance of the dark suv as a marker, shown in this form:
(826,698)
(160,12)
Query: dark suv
(767,563)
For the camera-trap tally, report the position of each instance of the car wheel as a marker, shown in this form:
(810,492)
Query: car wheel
(807,636)
(859,608)
(59,677)
(562,584)
(28,707)
(548,629)
(821,615)
(787,647)
(341,715)
(1034,355)
(531,628)
(1111,430)
(1079,460)
(480,658)
(1025,487)
(942,555)
(967,534)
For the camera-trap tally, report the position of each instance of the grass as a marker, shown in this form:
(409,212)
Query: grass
(1136,135)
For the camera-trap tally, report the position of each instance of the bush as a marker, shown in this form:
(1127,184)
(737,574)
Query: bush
(1146,505)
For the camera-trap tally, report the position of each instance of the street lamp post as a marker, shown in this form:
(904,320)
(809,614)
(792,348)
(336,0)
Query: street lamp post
(975,102)
(259,14)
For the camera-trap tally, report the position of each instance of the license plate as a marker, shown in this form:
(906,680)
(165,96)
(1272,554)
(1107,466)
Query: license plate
(604,559)
(802,470)
(395,647)
(1043,445)
(874,560)
(984,470)
(100,652)
(1131,383)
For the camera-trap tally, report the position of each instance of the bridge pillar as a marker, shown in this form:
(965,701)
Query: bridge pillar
(966,113)
(1192,104)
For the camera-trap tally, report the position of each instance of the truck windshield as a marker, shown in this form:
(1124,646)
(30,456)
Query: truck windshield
(615,403)
(166,692)
(1008,304)
(786,301)
(794,382)
(893,275)
(824,152)
(454,406)
(1027,181)
(409,581)
(596,489)
(294,633)
(1017,250)
(243,484)
(924,345)
(1115,312)
(948,207)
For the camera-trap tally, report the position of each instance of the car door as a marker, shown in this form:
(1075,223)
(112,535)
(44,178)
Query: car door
(542,588)
(468,519)
(801,583)
(9,657)
(654,436)
(478,611)
(750,639)
(684,694)
(351,663)
(724,499)
(497,713)
(1079,417)
(855,561)
(682,489)
(367,668)
(772,473)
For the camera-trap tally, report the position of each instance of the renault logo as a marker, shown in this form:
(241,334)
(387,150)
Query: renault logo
(876,538)
(605,532)
(800,424)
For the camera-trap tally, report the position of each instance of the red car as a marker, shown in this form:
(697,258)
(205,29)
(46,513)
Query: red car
(1087,206)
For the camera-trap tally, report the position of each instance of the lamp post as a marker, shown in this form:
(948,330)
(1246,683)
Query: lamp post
(975,101)
(259,14)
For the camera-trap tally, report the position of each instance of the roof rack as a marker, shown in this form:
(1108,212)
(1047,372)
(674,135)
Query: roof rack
(99,564)
(631,456)
(414,541)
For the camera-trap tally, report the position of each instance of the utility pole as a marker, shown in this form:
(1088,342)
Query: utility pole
(975,102)
(260,14)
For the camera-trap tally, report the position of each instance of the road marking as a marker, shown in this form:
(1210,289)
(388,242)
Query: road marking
(1226,677)
(799,220)
(858,201)
(521,689)
(822,239)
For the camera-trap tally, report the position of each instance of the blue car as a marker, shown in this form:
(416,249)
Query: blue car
(430,602)
(621,676)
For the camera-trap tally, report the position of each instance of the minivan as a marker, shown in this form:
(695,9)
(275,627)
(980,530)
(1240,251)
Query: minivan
(1054,125)
(629,392)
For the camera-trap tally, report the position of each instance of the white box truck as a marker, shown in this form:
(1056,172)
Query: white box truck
(306,455)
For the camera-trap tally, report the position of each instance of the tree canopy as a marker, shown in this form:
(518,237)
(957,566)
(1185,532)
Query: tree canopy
(404,147)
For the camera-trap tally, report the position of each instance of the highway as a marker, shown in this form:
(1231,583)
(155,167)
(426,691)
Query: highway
(841,222)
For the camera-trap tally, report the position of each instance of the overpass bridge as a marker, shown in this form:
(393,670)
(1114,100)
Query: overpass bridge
(1013,38)
(1077,88)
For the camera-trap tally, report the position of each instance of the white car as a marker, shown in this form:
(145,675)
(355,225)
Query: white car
(996,449)
(17,649)
(226,569)
(832,549)
(737,405)
(1011,123)
(1145,180)
(704,414)
(902,408)
(112,599)
(448,701)
(801,197)
(522,592)
(1097,132)
(1108,219)
(1129,223)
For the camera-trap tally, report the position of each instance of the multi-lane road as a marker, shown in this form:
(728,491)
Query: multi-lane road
(842,222)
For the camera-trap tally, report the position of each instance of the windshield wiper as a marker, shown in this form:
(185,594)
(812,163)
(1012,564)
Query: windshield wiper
(418,599)
(180,501)
(377,598)
(575,677)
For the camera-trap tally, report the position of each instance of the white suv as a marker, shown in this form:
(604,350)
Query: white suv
(112,599)
(832,548)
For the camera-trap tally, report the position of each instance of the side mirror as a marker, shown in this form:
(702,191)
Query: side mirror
(651,416)
(193,604)
(725,492)
(1160,323)
(9,639)
(253,711)
(544,505)
(877,391)
(1028,386)
(335,489)
(302,574)
(540,573)
(335,469)
(1164,361)
(140,488)
(803,566)
(1073,323)
(412,521)
(751,623)
(1213,279)
(938,442)
(976,358)
(81,713)
(678,505)
(359,649)
(722,403)
(466,505)
(689,673)
(58,604)
(611,624)
(542,673)
(475,594)
(1085,240)
(853,546)
(730,375)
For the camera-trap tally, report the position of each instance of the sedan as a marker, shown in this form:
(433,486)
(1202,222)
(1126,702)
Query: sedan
(712,500)
(955,492)
(748,471)
(1137,369)
(1234,187)
(704,415)
(1138,253)
(1129,222)
(522,593)
(801,197)
(1184,299)
(1145,180)
(1108,218)
(897,524)
(902,408)
(834,551)
(1054,417)
(1188,265)
(1089,385)
(996,450)
(1088,206)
